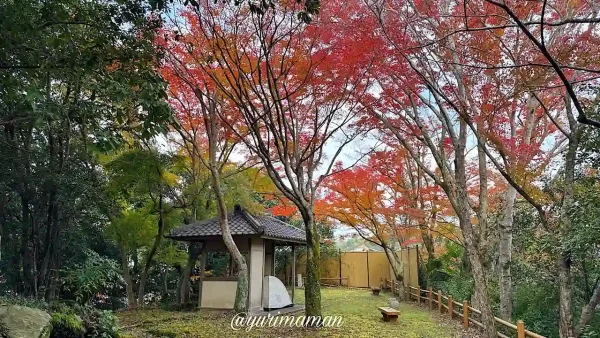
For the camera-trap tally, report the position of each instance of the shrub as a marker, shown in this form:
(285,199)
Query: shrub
(100,324)
(67,325)
(15,299)
(96,276)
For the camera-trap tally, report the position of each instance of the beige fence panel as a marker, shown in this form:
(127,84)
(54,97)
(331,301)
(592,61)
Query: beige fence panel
(354,265)
(378,268)
(361,269)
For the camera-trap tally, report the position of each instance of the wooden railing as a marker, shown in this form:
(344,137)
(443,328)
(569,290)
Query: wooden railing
(469,315)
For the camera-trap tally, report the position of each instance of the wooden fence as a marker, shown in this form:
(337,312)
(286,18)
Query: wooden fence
(360,269)
(469,315)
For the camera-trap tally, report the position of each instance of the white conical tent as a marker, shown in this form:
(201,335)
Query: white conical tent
(275,295)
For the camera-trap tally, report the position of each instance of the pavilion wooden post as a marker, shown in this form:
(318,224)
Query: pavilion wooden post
(273,259)
(430,295)
(520,329)
(293,270)
(440,300)
(450,306)
(202,271)
(465,314)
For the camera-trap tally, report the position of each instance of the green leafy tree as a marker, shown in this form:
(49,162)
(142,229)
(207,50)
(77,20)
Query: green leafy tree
(74,75)
(145,191)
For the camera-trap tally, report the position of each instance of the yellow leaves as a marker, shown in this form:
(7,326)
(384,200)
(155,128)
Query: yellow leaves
(525,179)
(169,178)
(572,4)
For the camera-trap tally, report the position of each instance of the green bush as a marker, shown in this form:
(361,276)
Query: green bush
(100,324)
(67,325)
(96,276)
(14,299)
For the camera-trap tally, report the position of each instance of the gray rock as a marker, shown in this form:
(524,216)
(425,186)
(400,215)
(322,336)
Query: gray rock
(25,322)
(394,304)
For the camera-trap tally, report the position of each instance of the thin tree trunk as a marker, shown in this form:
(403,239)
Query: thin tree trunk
(471,240)
(183,297)
(241,294)
(506,222)
(394,261)
(312,288)
(166,280)
(505,254)
(210,114)
(153,250)
(565,295)
(427,241)
(131,300)
(26,259)
(588,311)
(564,256)
(482,211)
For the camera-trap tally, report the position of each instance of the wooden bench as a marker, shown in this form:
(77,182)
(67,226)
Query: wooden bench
(375,291)
(389,314)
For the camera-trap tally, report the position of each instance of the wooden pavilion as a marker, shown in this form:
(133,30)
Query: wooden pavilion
(256,237)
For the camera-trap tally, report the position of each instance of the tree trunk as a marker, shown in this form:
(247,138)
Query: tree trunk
(506,222)
(153,250)
(312,288)
(588,311)
(241,294)
(565,297)
(482,211)
(462,209)
(26,259)
(563,259)
(481,290)
(183,298)
(427,242)
(131,300)
(505,254)
(394,261)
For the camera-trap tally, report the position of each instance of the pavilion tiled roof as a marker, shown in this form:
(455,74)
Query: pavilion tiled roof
(241,222)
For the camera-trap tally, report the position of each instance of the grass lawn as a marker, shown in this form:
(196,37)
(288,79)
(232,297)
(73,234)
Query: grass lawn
(357,307)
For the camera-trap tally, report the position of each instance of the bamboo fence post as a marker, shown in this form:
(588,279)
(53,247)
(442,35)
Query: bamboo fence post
(440,300)
(450,307)
(430,298)
(419,294)
(520,329)
(465,314)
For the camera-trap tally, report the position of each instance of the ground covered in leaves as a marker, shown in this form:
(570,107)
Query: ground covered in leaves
(361,319)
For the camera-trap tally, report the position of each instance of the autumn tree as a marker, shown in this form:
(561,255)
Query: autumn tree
(293,89)
(414,109)
(388,202)
(487,67)
(204,125)
(558,32)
